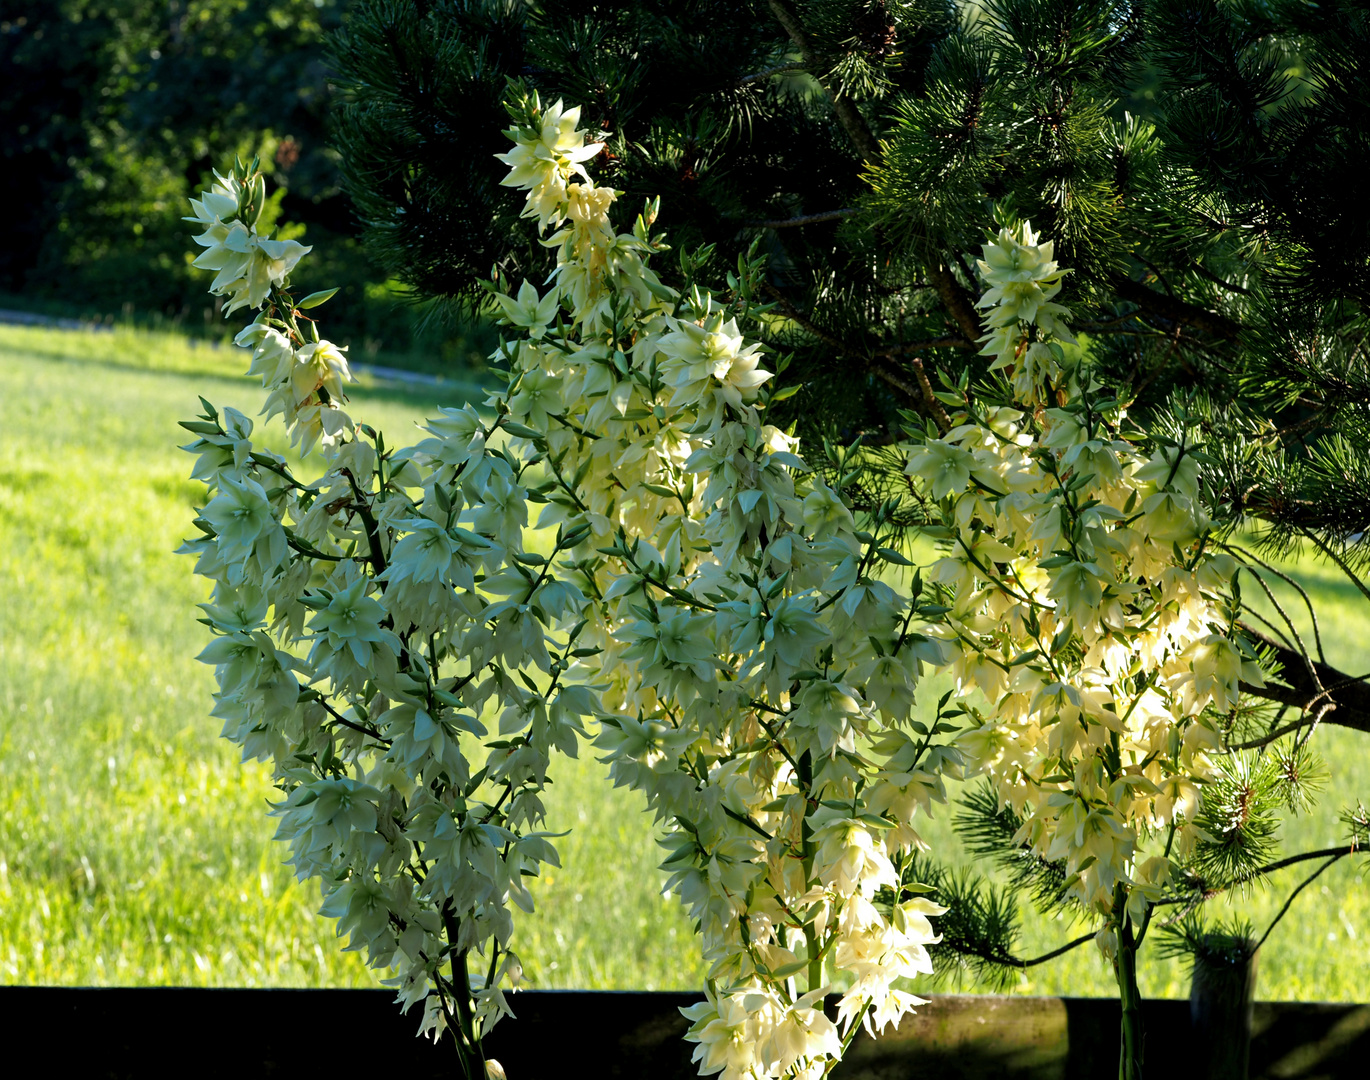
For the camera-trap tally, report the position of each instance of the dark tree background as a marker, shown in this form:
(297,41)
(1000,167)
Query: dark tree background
(114,112)
(1200,165)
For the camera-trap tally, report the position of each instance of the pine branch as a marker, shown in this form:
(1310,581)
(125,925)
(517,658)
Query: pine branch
(1331,553)
(848,115)
(1054,953)
(1322,853)
(1173,309)
(930,401)
(807,219)
(792,313)
(1294,895)
(988,830)
(1348,695)
(1007,960)
(957,300)
(891,377)
(1207,891)
(918,392)
(1204,271)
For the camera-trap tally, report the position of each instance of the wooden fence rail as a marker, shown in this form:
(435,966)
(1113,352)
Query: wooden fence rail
(128,1033)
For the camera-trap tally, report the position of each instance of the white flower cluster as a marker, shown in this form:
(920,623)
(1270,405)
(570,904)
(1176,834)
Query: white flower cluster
(1087,610)
(692,588)
(707,599)
(756,674)
(248,265)
(364,622)
(1023,280)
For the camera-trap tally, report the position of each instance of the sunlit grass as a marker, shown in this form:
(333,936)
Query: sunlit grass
(135,849)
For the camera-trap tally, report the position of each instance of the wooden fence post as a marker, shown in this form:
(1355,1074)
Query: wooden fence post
(1221,996)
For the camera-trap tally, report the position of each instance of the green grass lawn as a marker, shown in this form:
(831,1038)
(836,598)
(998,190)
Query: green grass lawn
(135,849)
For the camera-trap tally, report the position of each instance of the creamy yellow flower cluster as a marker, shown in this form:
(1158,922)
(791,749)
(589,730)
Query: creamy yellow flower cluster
(305,378)
(1090,623)
(758,672)
(248,264)
(688,583)
(1023,281)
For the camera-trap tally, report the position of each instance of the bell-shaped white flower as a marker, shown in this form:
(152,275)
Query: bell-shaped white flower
(529,312)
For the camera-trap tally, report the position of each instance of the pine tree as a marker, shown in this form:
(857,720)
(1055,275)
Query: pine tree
(1213,222)
(1199,164)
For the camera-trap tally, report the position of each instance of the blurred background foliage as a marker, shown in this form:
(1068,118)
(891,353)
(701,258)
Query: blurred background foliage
(114,112)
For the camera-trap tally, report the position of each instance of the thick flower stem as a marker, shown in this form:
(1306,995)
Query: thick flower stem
(468,1025)
(815,972)
(804,781)
(1125,967)
(468,1042)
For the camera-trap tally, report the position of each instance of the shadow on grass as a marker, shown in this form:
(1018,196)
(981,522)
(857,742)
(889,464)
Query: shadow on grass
(454,391)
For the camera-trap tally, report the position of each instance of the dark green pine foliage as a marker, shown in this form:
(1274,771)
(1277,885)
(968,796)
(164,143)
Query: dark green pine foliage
(1199,164)
(1269,127)
(704,103)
